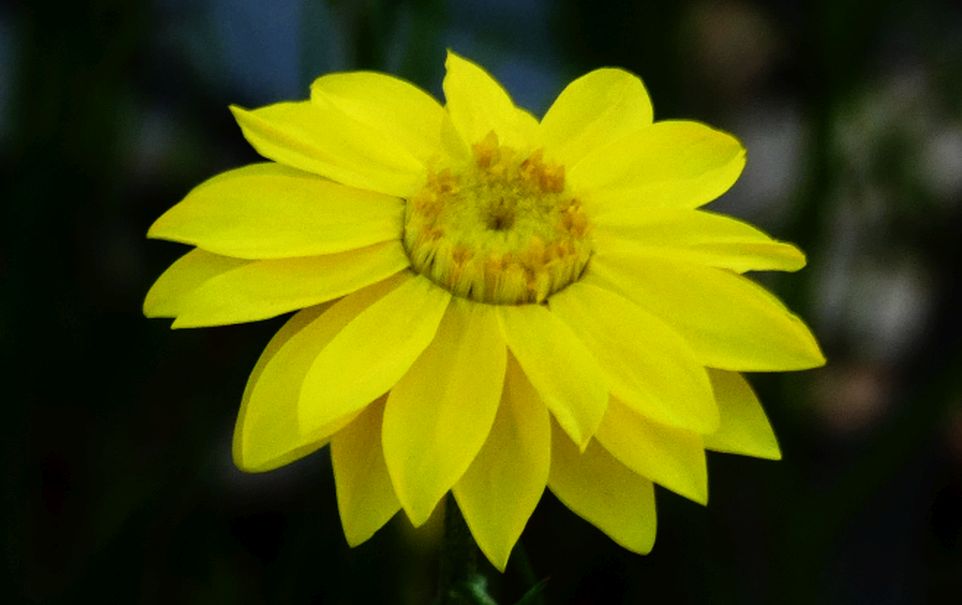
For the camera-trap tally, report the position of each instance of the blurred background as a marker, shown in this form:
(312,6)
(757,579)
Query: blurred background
(117,484)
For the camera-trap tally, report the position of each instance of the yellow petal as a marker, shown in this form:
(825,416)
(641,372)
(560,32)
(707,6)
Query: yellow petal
(262,289)
(694,236)
(365,497)
(165,298)
(646,363)
(267,434)
(371,353)
(675,164)
(264,441)
(603,492)
(729,321)
(744,427)
(439,413)
(397,109)
(271,211)
(503,485)
(319,138)
(564,373)
(673,458)
(596,109)
(479,105)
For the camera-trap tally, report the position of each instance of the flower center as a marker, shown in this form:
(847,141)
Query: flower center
(501,229)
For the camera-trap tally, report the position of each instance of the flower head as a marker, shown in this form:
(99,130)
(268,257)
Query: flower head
(488,304)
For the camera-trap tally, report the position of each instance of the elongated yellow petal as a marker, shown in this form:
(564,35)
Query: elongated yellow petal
(744,427)
(268,434)
(365,497)
(166,297)
(729,321)
(603,492)
(271,211)
(503,485)
(673,458)
(564,373)
(371,353)
(318,137)
(439,413)
(479,105)
(265,441)
(397,109)
(646,363)
(675,164)
(598,108)
(695,236)
(262,289)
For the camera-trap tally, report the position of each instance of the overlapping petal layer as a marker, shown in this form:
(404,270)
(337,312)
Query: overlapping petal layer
(166,297)
(647,365)
(270,211)
(603,492)
(326,141)
(503,485)
(440,412)
(694,236)
(365,496)
(674,164)
(744,427)
(267,288)
(370,354)
(562,370)
(671,457)
(596,109)
(478,105)
(729,321)
(394,108)
(268,432)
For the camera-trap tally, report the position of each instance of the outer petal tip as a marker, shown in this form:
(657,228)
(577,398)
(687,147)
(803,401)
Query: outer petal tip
(814,357)
(451,58)
(701,495)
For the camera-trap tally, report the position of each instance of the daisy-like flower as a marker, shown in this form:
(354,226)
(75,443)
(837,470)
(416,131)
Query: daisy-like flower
(488,304)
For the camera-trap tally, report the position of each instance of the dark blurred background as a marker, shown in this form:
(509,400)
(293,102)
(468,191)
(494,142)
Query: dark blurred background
(117,484)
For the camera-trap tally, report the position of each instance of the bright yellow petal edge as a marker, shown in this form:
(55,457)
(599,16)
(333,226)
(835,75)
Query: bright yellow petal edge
(488,305)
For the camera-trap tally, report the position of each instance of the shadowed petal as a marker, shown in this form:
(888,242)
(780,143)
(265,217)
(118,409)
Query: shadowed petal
(166,297)
(501,489)
(646,363)
(673,458)
(439,413)
(744,427)
(603,492)
(365,496)
(263,289)
(564,373)
(268,433)
(371,353)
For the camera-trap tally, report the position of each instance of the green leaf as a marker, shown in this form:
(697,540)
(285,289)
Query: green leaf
(534,596)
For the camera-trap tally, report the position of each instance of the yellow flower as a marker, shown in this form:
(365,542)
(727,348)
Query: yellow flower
(516,304)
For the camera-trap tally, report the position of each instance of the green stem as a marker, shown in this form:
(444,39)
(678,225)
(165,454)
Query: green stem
(460,581)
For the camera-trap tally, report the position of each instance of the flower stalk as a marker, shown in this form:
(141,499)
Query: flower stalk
(460,581)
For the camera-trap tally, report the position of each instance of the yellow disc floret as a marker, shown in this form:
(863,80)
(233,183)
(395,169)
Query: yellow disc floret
(501,229)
